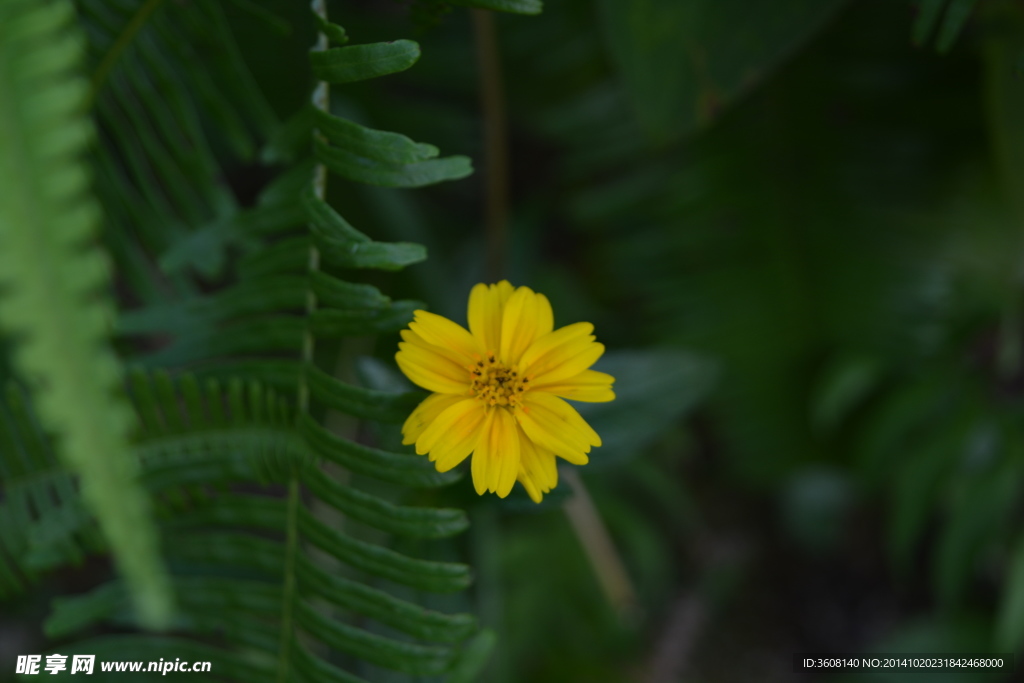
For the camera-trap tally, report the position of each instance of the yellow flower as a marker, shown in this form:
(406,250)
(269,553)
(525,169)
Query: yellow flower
(498,389)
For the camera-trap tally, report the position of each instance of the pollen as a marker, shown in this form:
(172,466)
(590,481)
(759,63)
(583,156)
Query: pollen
(495,384)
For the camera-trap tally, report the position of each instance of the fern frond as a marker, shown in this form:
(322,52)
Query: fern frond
(244,475)
(227,435)
(54,283)
(161,176)
(40,510)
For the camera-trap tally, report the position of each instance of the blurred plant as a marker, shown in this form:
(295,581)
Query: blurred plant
(248,487)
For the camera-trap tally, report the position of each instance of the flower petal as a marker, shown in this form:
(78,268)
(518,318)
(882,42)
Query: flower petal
(527,316)
(537,470)
(550,341)
(454,356)
(426,412)
(423,371)
(481,455)
(438,432)
(496,459)
(486,306)
(590,386)
(561,354)
(437,360)
(460,440)
(440,331)
(553,424)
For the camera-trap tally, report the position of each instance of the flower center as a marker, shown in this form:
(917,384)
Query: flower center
(495,384)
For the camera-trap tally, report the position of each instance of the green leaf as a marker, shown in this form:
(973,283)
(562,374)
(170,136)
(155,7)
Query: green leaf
(41,513)
(337,293)
(387,609)
(843,385)
(317,670)
(405,521)
(205,249)
(263,296)
(398,468)
(474,657)
(365,403)
(1010,621)
(267,17)
(332,226)
(343,246)
(232,510)
(436,577)
(683,61)
(654,390)
(278,334)
(379,255)
(287,256)
(927,18)
(327,323)
(51,277)
(360,62)
(418,660)
(973,521)
(290,141)
(376,145)
(956,16)
(915,482)
(336,34)
(1006,104)
(359,169)
(166,125)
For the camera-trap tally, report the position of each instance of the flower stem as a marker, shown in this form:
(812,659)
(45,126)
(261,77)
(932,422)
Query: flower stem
(587,524)
(492,106)
(600,549)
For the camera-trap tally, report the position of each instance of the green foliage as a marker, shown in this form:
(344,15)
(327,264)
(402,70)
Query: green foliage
(228,549)
(654,388)
(54,284)
(39,497)
(163,126)
(838,240)
(683,62)
(359,62)
(251,570)
(797,234)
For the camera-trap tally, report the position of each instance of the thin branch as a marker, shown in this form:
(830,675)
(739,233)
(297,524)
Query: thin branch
(672,656)
(492,106)
(674,649)
(600,549)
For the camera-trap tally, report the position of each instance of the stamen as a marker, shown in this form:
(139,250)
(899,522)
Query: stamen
(495,384)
